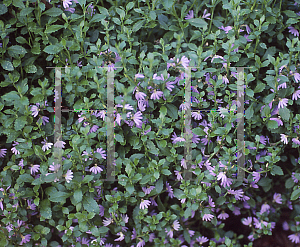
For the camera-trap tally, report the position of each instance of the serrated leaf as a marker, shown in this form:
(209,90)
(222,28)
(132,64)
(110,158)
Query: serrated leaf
(7,65)
(138,25)
(197,22)
(295,195)
(45,209)
(146,178)
(53,28)
(172,111)
(290,13)
(16,50)
(78,195)
(289,183)
(284,113)
(59,196)
(53,12)
(249,112)
(276,170)
(159,185)
(103,229)
(3,9)
(130,188)
(152,15)
(90,204)
(272,124)
(53,49)
(26,11)
(30,69)
(119,138)
(18,3)
(259,87)
(20,123)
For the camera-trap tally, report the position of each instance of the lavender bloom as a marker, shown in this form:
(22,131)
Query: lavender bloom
(178,175)
(47,145)
(282,103)
(169,85)
(140,95)
(25,239)
(176,225)
(96,169)
(207,217)
(35,110)
(137,118)
(14,150)
(284,138)
(277,198)
(34,169)
(121,236)
(264,208)
(170,190)
(294,238)
(285,226)
(3,152)
(67,3)
(293,31)
(107,221)
(141,243)
(296,95)
(156,94)
(144,204)
(223,216)
(263,140)
(190,15)
(44,120)
(296,141)
(226,29)
(185,62)
(148,190)
(247,221)
(297,77)
(94,128)
(197,115)
(225,181)
(206,16)
(59,144)
(202,239)
(248,30)
(54,168)
(31,205)
(169,233)
(69,176)
(141,105)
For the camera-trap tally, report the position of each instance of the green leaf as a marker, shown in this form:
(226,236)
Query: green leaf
(284,113)
(159,185)
(130,188)
(198,22)
(53,49)
(20,123)
(78,195)
(259,87)
(18,3)
(121,12)
(289,183)
(249,112)
(87,179)
(290,13)
(198,131)
(53,28)
(268,99)
(16,50)
(119,138)
(7,65)
(82,2)
(152,15)
(138,25)
(11,96)
(3,10)
(295,195)
(160,206)
(97,18)
(146,178)
(45,209)
(276,170)
(129,6)
(103,229)
(90,204)
(25,178)
(59,196)
(53,12)
(30,69)
(272,124)
(172,111)
(26,11)
(168,3)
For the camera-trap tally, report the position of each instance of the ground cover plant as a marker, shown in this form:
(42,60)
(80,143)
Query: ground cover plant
(149,46)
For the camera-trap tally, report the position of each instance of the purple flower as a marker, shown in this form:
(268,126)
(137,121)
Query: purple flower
(247,221)
(25,239)
(263,140)
(140,95)
(148,190)
(296,141)
(264,208)
(156,94)
(14,150)
(178,175)
(185,62)
(54,168)
(176,225)
(141,243)
(169,85)
(67,3)
(69,176)
(294,238)
(35,110)
(293,31)
(59,144)
(285,226)
(207,217)
(296,95)
(197,115)
(121,236)
(169,233)
(47,145)
(202,240)
(107,221)
(144,204)
(190,15)
(3,152)
(225,181)
(34,169)
(284,138)
(206,15)
(282,103)
(277,198)
(137,118)
(94,128)
(96,169)
(248,30)
(223,216)
(297,77)
(170,190)
(31,205)
(226,29)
